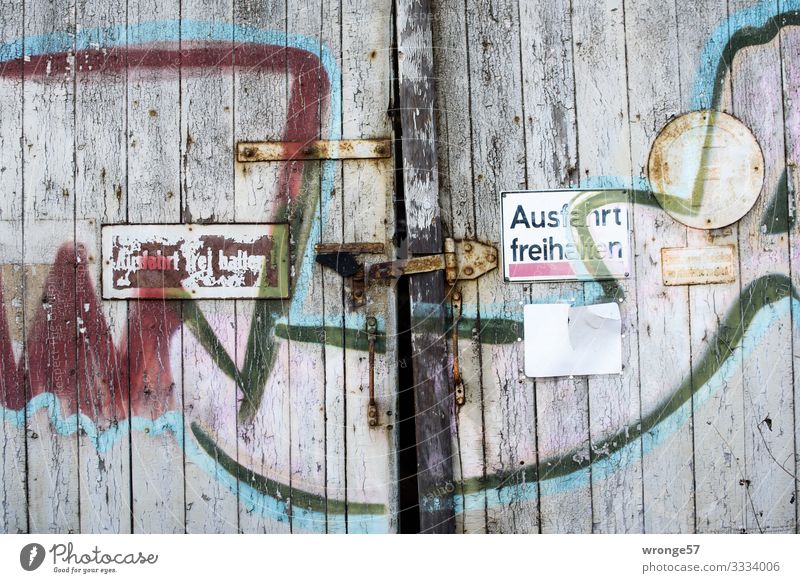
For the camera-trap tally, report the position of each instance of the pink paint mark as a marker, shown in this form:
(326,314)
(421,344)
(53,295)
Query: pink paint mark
(546,269)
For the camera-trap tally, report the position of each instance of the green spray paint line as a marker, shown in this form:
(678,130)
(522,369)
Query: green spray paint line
(274,488)
(777,218)
(759,294)
(195,320)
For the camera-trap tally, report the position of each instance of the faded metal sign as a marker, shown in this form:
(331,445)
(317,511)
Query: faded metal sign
(561,235)
(706,169)
(196,261)
(686,266)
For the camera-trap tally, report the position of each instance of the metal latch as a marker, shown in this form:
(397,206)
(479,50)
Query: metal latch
(461,260)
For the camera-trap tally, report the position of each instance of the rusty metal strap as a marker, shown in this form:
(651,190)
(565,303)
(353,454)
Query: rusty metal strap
(313,150)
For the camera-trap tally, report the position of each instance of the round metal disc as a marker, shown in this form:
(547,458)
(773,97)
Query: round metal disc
(706,169)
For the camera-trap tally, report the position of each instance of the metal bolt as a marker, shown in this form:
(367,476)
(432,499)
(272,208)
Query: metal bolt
(467,247)
(469,270)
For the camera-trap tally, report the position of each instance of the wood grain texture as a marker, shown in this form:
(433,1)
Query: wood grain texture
(260,112)
(333,296)
(307,365)
(790,60)
(495,95)
(767,368)
(604,150)
(653,87)
(13,495)
(154,186)
(454,151)
(434,405)
(718,450)
(49,187)
(368,216)
(562,408)
(207,182)
(499,163)
(100,198)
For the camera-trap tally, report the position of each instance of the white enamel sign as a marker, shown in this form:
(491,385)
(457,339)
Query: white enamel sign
(563,235)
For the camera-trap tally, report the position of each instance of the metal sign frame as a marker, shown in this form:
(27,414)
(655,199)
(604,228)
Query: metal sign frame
(251,272)
(592,270)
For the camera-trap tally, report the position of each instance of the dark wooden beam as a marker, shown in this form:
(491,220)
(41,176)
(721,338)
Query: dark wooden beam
(433,397)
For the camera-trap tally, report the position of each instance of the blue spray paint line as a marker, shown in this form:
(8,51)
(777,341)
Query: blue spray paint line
(172,423)
(607,466)
(755,16)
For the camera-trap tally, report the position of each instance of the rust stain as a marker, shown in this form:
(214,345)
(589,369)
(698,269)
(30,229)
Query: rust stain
(371,248)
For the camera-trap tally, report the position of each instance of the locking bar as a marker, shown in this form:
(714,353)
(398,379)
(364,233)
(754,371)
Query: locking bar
(461,260)
(313,150)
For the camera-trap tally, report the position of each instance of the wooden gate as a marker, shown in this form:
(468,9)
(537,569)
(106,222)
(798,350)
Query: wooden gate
(254,415)
(209,415)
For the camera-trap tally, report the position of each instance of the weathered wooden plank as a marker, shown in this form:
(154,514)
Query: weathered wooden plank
(499,163)
(454,150)
(767,367)
(604,150)
(718,439)
(790,60)
(261,111)
(562,408)
(207,195)
(663,313)
(13,500)
(366,197)
(307,364)
(48,171)
(434,405)
(154,349)
(332,284)
(101,197)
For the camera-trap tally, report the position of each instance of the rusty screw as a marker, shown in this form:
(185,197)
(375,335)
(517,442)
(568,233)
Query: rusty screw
(248,152)
(467,247)
(469,271)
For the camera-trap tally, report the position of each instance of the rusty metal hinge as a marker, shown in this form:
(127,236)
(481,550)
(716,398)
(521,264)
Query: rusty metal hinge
(461,260)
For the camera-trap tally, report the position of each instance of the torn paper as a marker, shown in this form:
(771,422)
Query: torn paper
(562,340)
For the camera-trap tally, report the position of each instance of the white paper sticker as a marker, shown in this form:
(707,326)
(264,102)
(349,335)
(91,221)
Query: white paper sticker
(562,340)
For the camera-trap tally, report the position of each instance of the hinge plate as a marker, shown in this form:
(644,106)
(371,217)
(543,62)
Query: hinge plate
(461,260)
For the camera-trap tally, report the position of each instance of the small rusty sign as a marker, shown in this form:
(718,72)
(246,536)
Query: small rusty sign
(696,266)
(196,261)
